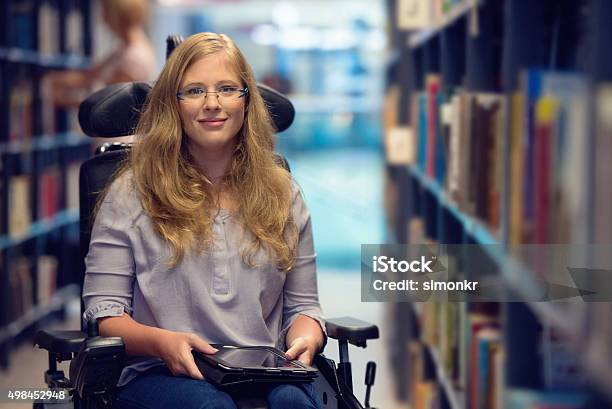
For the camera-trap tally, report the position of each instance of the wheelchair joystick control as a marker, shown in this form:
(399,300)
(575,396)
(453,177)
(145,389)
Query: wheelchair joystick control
(92,328)
(369,381)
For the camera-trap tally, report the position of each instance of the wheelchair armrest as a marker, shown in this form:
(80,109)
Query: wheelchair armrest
(350,329)
(60,342)
(96,368)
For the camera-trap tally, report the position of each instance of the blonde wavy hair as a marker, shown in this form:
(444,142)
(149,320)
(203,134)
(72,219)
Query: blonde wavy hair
(175,194)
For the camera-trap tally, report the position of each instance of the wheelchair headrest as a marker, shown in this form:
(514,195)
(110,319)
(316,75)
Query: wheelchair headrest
(115,110)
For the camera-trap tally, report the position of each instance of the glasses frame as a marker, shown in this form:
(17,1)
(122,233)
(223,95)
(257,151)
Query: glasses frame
(243,92)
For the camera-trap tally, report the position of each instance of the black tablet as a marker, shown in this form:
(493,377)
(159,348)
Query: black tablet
(234,364)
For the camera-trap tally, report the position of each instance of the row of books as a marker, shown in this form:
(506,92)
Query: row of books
(465,140)
(469,344)
(50,192)
(27,290)
(28,17)
(22,95)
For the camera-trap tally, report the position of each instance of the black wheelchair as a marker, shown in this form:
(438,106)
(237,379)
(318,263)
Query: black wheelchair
(95,361)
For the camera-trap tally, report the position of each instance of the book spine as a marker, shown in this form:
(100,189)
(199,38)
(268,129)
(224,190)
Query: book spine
(545,110)
(432,128)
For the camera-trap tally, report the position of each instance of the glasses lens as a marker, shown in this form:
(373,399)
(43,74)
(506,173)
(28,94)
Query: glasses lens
(223,94)
(228,93)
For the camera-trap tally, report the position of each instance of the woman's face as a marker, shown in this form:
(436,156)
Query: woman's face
(211,121)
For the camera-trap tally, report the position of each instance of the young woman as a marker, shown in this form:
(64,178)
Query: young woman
(203,238)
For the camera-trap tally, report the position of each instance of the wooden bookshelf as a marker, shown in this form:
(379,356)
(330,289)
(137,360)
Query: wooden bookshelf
(45,142)
(513,37)
(472,226)
(41,148)
(41,228)
(517,275)
(57,61)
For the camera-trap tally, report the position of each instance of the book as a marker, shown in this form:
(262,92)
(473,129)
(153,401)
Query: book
(485,337)
(486,138)
(422,131)
(571,151)
(455,136)
(498,155)
(46,277)
(563,210)
(20,217)
(531,88)
(72,185)
(516,177)
(545,112)
(74,31)
(424,395)
(473,161)
(21,292)
(21,24)
(48,35)
(464,133)
(560,366)
(399,145)
(433,88)
(443,131)
(602,229)
(49,192)
(20,111)
(47,108)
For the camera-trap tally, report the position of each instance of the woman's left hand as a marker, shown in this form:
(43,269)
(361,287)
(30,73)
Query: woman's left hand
(303,349)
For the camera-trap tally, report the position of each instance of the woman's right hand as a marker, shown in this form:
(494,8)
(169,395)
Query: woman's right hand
(174,348)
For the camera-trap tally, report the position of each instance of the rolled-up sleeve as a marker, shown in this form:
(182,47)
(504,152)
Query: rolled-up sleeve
(109,275)
(300,294)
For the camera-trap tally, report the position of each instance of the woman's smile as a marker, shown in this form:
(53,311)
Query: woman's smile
(213,123)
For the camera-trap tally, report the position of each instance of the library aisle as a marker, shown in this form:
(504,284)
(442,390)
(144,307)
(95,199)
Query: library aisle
(474,132)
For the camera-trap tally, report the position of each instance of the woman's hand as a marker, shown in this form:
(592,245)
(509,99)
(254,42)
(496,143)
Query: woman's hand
(303,349)
(174,348)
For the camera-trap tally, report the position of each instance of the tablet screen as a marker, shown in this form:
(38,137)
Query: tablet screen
(253,358)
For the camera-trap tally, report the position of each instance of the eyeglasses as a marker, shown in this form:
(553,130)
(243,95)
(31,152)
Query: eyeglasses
(224,94)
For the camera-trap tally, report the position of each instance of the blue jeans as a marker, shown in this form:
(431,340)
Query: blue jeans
(158,388)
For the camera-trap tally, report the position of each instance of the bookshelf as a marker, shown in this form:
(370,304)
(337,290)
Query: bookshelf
(479,91)
(41,149)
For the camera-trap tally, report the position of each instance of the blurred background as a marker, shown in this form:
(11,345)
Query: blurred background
(417,121)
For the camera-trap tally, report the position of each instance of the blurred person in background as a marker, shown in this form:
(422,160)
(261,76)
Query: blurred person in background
(132,60)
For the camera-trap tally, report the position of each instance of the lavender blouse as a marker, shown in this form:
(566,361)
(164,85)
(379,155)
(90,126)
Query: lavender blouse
(213,294)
